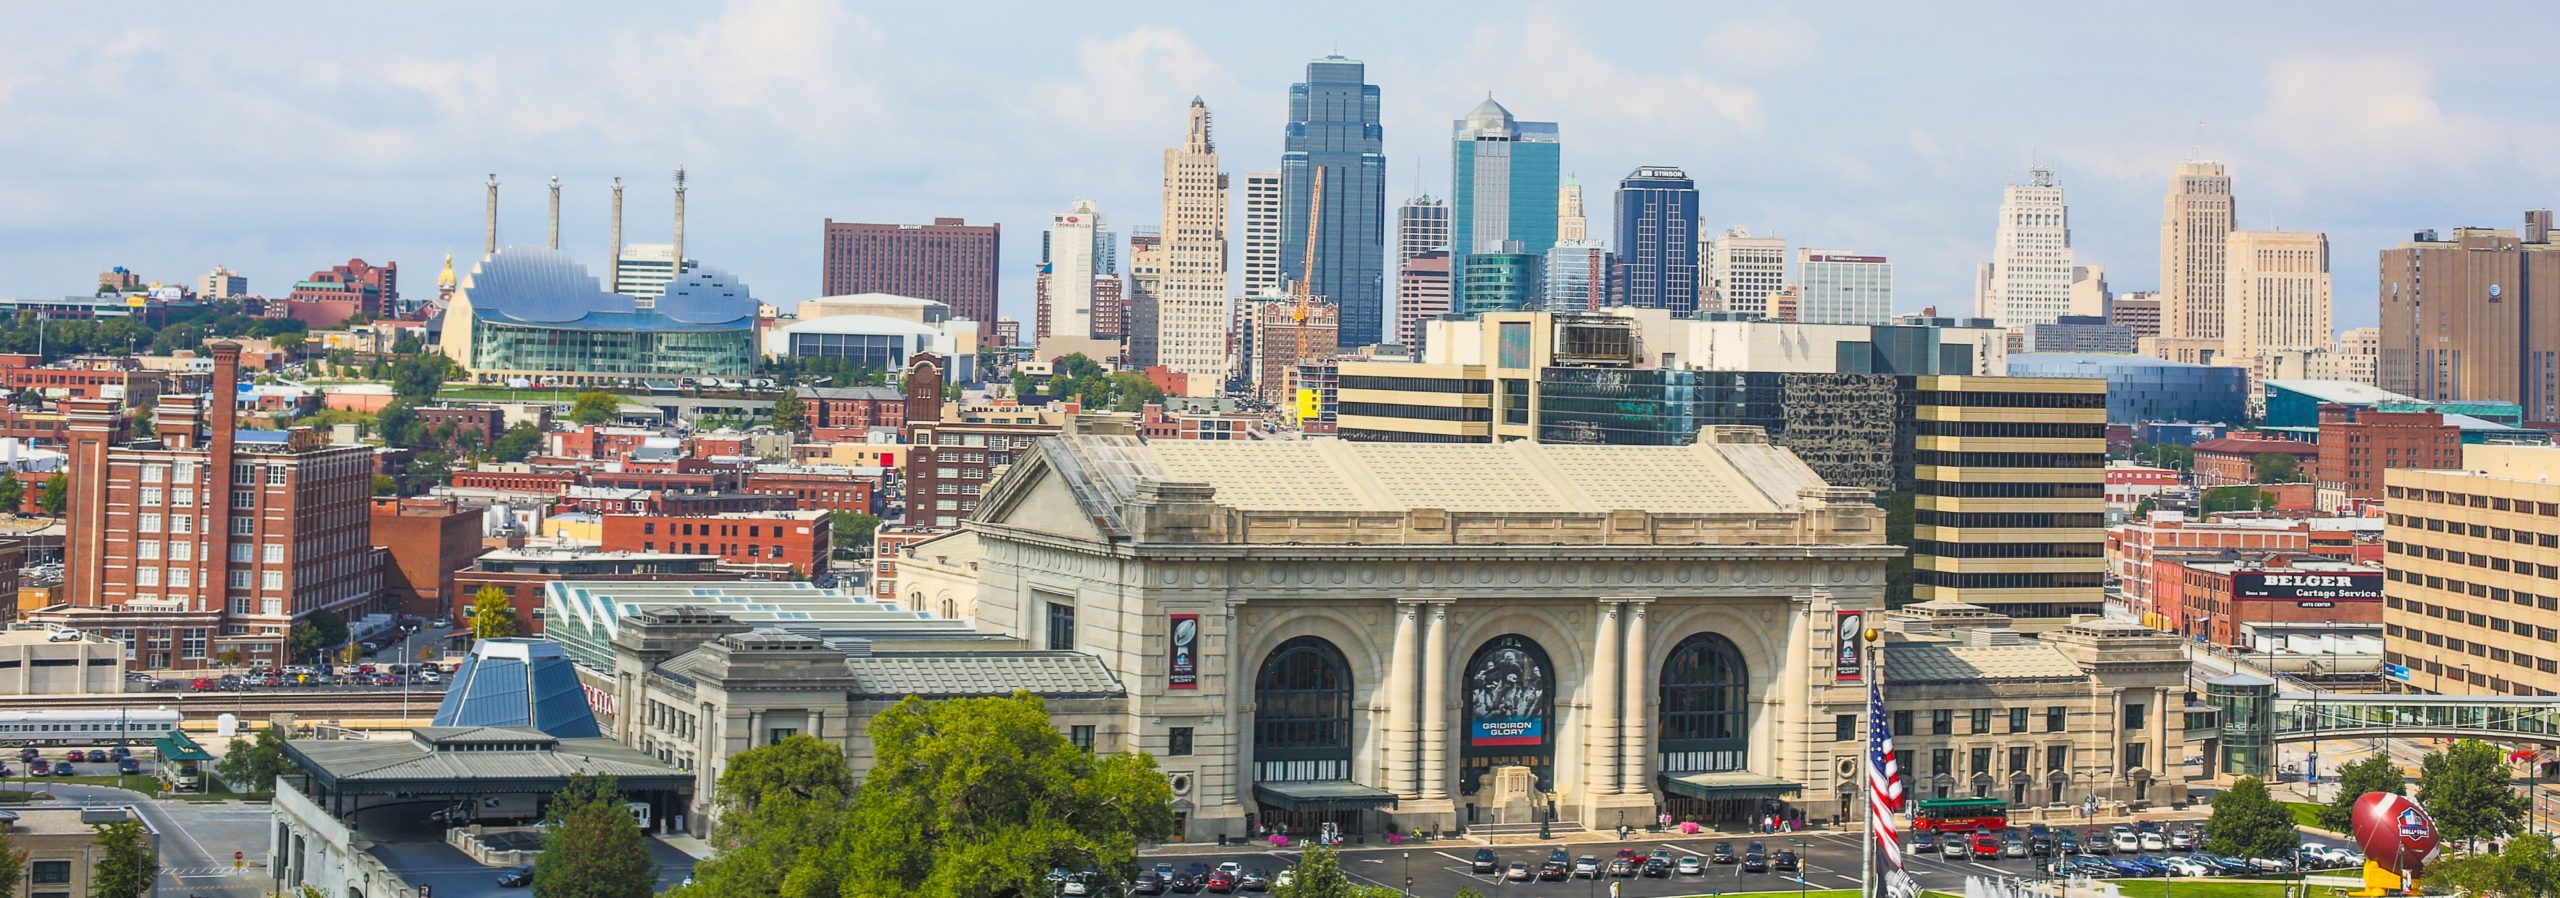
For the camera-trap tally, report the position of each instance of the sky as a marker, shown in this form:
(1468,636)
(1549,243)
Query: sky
(280,138)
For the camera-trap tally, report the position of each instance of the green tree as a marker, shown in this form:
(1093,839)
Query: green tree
(595,407)
(125,866)
(316,632)
(2275,467)
(783,807)
(12,860)
(2376,773)
(2247,822)
(592,848)
(289,343)
(230,657)
(853,531)
(56,494)
(493,615)
(1318,874)
(398,425)
(788,414)
(1023,389)
(13,494)
(384,485)
(2237,498)
(800,767)
(2528,868)
(2466,789)
(252,764)
(518,443)
(416,379)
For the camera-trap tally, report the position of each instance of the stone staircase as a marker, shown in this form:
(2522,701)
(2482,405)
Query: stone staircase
(1513,830)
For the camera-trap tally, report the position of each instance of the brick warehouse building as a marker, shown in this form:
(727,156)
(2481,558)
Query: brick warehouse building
(426,540)
(948,261)
(199,537)
(2358,444)
(774,542)
(950,463)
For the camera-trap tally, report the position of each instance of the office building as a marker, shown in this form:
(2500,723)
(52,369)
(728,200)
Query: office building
(954,455)
(2476,316)
(1499,281)
(1742,270)
(2010,509)
(372,289)
(2357,445)
(1579,276)
(1189,307)
(1571,224)
(63,848)
(2359,348)
(2232,459)
(2136,311)
(1280,335)
(2468,596)
(949,261)
(2142,389)
(2076,334)
(1422,225)
(222,283)
(773,543)
(2276,293)
(1070,261)
(644,270)
(1262,230)
(1422,293)
(2090,297)
(2030,275)
(1146,277)
(198,537)
(531,314)
(1503,189)
(2196,221)
(1658,240)
(873,333)
(1334,127)
(1841,288)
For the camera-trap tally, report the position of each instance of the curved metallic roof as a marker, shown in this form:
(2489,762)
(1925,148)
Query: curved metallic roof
(530,285)
(706,295)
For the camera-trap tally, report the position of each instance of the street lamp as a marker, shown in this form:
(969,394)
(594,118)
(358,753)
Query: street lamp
(1408,874)
(1802,861)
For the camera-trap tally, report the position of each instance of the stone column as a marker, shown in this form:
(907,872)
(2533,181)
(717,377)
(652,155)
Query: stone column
(1435,705)
(1797,717)
(1634,726)
(1600,751)
(1401,699)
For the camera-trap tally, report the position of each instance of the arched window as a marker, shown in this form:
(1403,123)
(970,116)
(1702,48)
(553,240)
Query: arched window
(1302,713)
(1510,705)
(1705,706)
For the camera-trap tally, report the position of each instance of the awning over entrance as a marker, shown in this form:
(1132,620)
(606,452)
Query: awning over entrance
(1329,794)
(1728,784)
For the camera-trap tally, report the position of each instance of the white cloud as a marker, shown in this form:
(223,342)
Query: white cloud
(1769,44)
(1542,68)
(2372,119)
(1137,82)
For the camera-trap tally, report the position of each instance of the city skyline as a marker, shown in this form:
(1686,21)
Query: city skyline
(2360,132)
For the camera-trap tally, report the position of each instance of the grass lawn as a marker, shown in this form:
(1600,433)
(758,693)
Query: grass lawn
(139,782)
(2202,888)
(2305,813)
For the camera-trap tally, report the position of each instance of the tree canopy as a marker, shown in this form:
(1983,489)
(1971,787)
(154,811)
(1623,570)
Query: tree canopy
(2247,822)
(517,443)
(56,494)
(2375,773)
(313,633)
(493,615)
(595,407)
(2275,467)
(2465,788)
(252,764)
(125,867)
(787,411)
(967,797)
(853,531)
(1318,874)
(593,849)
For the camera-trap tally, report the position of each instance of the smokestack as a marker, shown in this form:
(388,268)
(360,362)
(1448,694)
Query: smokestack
(678,271)
(555,213)
(490,246)
(613,266)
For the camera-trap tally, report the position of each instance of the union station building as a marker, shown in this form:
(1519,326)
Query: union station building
(1407,636)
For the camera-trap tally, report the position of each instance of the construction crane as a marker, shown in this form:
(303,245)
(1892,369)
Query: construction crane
(1302,304)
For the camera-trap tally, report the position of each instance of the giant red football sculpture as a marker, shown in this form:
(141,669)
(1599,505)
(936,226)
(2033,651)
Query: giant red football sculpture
(2394,832)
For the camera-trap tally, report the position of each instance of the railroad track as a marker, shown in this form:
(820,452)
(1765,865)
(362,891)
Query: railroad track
(347,703)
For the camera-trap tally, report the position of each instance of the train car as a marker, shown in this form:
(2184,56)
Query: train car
(87,727)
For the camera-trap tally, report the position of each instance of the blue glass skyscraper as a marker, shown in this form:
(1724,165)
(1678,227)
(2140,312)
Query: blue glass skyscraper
(1333,125)
(1502,188)
(1658,239)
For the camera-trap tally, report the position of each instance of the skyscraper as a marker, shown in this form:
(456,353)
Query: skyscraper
(2028,280)
(1422,293)
(1571,224)
(2476,316)
(1503,188)
(2195,234)
(1333,127)
(1069,265)
(1146,272)
(1742,270)
(1842,288)
(1422,225)
(1261,233)
(949,261)
(645,269)
(1579,276)
(2277,292)
(1658,239)
(1191,314)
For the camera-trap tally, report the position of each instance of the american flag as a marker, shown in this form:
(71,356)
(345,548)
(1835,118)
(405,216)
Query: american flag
(1884,795)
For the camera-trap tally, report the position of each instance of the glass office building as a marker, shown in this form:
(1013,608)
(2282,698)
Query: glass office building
(1504,175)
(1333,127)
(2142,389)
(1502,282)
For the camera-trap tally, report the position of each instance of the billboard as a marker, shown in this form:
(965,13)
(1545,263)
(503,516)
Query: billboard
(1511,693)
(2309,588)
(1848,662)
(1182,670)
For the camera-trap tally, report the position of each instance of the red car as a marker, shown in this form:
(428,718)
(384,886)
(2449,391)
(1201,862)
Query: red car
(1221,882)
(202,685)
(1986,847)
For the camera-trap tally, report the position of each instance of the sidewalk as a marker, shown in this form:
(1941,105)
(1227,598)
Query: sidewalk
(699,849)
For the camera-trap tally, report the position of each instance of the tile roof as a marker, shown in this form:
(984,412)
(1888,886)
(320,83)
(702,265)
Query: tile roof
(1920,662)
(1046,674)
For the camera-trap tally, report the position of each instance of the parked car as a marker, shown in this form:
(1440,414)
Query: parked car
(1554,871)
(2125,841)
(1723,853)
(1786,862)
(39,767)
(1690,866)
(128,765)
(1922,842)
(1519,872)
(1755,862)
(2011,845)
(63,770)
(1485,861)
(2186,866)
(1254,880)
(2182,839)
(2154,842)
(1147,884)
(1220,882)
(516,877)
(2270,865)
(2065,844)
(1656,868)
(1586,867)
(97,756)
(2098,843)
(1621,867)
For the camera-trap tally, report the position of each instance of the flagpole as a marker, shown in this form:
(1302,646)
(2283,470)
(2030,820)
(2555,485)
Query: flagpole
(1867,879)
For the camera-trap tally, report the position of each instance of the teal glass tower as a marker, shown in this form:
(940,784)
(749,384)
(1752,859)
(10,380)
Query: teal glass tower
(1333,127)
(1503,179)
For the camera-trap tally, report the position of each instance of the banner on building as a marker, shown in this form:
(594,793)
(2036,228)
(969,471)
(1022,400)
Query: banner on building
(1510,696)
(1183,672)
(2307,587)
(1849,638)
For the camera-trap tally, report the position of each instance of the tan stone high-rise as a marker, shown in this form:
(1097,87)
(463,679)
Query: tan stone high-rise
(2276,292)
(2476,316)
(2195,232)
(1570,222)
(1191,290)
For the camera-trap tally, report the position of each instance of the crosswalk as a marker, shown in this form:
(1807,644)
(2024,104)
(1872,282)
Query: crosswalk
(203,872)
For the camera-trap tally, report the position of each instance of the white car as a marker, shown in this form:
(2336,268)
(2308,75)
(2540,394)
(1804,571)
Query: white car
(2127,842)
(2186,866)
(2153,842)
